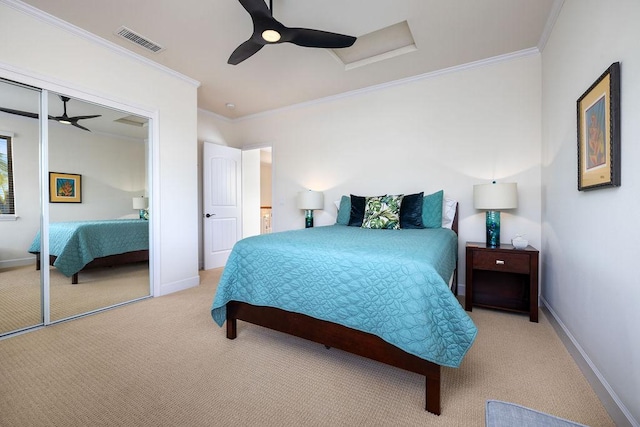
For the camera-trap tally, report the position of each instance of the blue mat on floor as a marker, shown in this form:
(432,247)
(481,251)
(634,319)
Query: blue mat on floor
(505,414)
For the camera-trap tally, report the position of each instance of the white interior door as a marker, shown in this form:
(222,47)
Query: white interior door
(221,202)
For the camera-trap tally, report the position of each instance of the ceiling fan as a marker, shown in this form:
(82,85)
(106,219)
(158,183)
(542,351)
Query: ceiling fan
(64,118)
(267,30)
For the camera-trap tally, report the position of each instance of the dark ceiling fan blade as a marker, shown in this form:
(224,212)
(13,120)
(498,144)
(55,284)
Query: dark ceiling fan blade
(76,118)
(20,113)
(255,6)
(244,51)
(316,38)
(61,119)
(66,120)
(79,126)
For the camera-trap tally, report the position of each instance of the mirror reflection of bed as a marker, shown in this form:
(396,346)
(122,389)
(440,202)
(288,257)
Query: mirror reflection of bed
(111,159)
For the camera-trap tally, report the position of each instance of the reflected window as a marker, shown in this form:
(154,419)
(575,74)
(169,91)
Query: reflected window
(7,205)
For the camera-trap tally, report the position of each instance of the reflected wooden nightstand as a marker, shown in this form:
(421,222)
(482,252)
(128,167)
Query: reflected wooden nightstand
(503,278)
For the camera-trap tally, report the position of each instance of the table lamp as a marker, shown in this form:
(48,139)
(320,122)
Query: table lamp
(493,198)
(310,200)
(140,204)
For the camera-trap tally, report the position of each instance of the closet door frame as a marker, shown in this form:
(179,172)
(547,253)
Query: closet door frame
(46,86)
(44,207)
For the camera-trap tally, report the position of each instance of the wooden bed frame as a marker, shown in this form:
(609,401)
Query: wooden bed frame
(107,261)
(341,337)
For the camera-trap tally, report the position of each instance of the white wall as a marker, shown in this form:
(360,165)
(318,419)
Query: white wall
(589,276)
(266,182)
(113,171)
(251,192)
(447,131)
(44,53)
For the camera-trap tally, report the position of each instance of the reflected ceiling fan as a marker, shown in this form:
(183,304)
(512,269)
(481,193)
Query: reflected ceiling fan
(267,30)
(64,118)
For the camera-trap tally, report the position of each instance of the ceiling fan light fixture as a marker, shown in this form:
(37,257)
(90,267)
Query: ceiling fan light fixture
(271,36)
(268,30)
(64,122)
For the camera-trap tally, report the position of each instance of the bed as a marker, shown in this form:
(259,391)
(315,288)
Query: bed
(381,294)
(78,245)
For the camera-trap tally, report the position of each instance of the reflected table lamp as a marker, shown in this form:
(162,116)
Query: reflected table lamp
(310,200)
(140,204)
(493,198)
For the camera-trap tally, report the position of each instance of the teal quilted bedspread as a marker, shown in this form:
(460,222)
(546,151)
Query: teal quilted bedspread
(78,243)
(390,283)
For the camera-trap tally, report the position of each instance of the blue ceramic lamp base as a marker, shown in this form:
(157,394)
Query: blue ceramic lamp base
(308,218)
(493,229)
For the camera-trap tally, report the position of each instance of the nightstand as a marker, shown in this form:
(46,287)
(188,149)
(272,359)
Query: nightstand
(503,278)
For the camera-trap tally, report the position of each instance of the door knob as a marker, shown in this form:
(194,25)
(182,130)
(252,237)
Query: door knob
(209,215)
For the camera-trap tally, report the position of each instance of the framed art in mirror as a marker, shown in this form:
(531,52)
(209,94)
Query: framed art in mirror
(65,187)
(599,132)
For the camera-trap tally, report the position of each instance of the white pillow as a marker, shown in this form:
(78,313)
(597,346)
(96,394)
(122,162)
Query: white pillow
(130,216)
(448,212)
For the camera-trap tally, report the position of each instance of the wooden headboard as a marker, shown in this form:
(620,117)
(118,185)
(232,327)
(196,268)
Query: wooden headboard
(454,224)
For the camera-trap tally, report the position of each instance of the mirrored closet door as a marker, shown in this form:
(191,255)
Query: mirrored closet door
(20,208)
(97,188)
(94,204)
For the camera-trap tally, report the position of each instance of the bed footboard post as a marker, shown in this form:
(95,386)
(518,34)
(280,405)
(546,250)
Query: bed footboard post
(432,394)
(232,331)
(74,279)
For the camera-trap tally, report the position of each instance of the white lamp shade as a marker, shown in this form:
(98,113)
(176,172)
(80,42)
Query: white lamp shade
(140,203)
(310,200)
(495,197)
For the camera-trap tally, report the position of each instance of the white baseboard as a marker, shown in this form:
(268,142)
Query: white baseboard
(461,289)
(612,403)
(18,262)
(180,285)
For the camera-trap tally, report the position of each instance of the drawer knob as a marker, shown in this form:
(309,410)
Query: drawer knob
(499,262)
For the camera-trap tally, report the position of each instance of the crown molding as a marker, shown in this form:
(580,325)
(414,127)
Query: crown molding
(216,115)
(57,22)
(400,82)
(551,22)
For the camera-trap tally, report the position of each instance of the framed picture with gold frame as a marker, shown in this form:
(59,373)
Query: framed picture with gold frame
(65,187)
(599,132)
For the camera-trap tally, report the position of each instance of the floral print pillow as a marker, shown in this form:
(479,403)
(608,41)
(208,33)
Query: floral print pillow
(382,212)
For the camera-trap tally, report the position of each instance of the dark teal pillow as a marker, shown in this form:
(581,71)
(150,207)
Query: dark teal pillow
(432,210)
(344,211)
(357,211)
(411,211)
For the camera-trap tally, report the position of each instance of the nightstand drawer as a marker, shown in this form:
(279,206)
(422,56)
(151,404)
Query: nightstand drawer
(501,261)
(502,278)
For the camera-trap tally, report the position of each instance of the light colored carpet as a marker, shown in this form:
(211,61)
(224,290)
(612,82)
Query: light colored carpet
(163,362)
(20,292)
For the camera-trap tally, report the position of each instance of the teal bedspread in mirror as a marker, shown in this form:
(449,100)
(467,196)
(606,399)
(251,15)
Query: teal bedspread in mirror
(77,243)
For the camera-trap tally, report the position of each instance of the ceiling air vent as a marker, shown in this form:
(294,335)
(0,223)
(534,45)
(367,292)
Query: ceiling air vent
(133,37)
